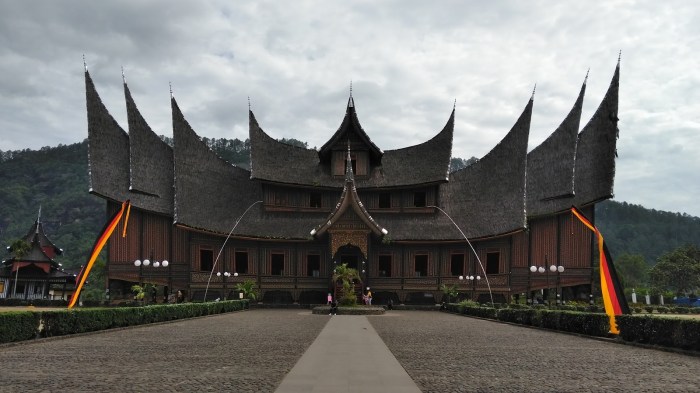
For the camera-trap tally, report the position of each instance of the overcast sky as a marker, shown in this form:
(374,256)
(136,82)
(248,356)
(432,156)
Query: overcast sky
(408,62)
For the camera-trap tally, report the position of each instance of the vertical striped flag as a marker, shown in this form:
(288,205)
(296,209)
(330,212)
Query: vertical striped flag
(97,247)
(613,294)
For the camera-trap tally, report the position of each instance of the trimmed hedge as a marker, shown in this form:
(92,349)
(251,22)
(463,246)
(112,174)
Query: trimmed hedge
(13,302)
(26,325)
(668,332)
(18,326)
(591,324)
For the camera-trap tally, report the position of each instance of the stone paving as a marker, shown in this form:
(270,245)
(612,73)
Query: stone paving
(252,351)
(249,351)
(451,353)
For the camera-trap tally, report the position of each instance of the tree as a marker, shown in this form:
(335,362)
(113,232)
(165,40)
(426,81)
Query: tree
(457,163)
(347,276)
(450,291)
(94,288)
(247,287)
(20,248)
(678,270)
(632,270)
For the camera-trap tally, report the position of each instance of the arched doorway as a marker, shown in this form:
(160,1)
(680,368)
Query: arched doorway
(353,257)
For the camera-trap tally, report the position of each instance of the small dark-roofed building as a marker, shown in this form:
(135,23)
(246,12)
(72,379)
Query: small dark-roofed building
(33,273)
(399,216)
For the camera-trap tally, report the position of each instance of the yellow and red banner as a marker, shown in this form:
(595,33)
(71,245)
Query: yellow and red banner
(613,293)
(97,247)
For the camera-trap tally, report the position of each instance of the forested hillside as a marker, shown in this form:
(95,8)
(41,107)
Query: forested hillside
(56,179)
(633,229)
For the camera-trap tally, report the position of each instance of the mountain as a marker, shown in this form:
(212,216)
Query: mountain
(55,180)
(634,229)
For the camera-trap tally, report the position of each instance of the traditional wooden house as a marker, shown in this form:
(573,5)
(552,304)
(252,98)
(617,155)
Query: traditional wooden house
(401,217)
(33,273)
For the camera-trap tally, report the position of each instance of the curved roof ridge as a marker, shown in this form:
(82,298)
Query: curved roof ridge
(350,118)
(108,149)
(488,197)
(210,192)
(596,150)
(266,151)
(550,166)
(439,147)
(150,161)
(37,231)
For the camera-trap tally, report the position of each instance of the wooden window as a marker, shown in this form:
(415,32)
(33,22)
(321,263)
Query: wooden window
(19,289)
(280,198)
(241,262)
(206,260)
(419,199)
(315,199)
(277,264)
(384,200)
(457,265)
(493,262)
(313,265)
(385,266)
(421,265)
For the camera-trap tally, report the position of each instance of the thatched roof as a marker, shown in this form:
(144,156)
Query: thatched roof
(210,193)
(488,197)
(596,150)
(550,166)
(151,162)
(108,149)
(277,162)
(36,232)
(109,157)
(350,129)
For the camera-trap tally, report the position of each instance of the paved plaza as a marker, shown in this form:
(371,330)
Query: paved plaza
(254,351)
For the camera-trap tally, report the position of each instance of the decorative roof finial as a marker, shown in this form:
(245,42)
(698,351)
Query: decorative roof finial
(454,105)
(619,56)
(84,63)
(38,219)
(123,77)
(248,103)
(351,88)
(533,92)
(171,89)
(348,165)
(586,78)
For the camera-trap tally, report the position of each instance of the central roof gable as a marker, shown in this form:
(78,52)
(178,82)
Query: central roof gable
(350,130)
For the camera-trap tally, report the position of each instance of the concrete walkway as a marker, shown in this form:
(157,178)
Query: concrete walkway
(348,356)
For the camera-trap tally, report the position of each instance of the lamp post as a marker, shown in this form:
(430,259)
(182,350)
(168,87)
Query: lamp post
(473,280)
(155,264)
(225,276)
(539,269)
(557,269)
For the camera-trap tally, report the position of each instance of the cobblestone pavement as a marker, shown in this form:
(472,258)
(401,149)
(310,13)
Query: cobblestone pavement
(252,351)
(248,351)
(450,353)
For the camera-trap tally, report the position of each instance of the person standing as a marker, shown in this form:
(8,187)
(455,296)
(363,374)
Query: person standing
(329,298)
(369,297)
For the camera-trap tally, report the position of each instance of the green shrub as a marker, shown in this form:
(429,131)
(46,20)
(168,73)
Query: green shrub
(18,326)
(669,332)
